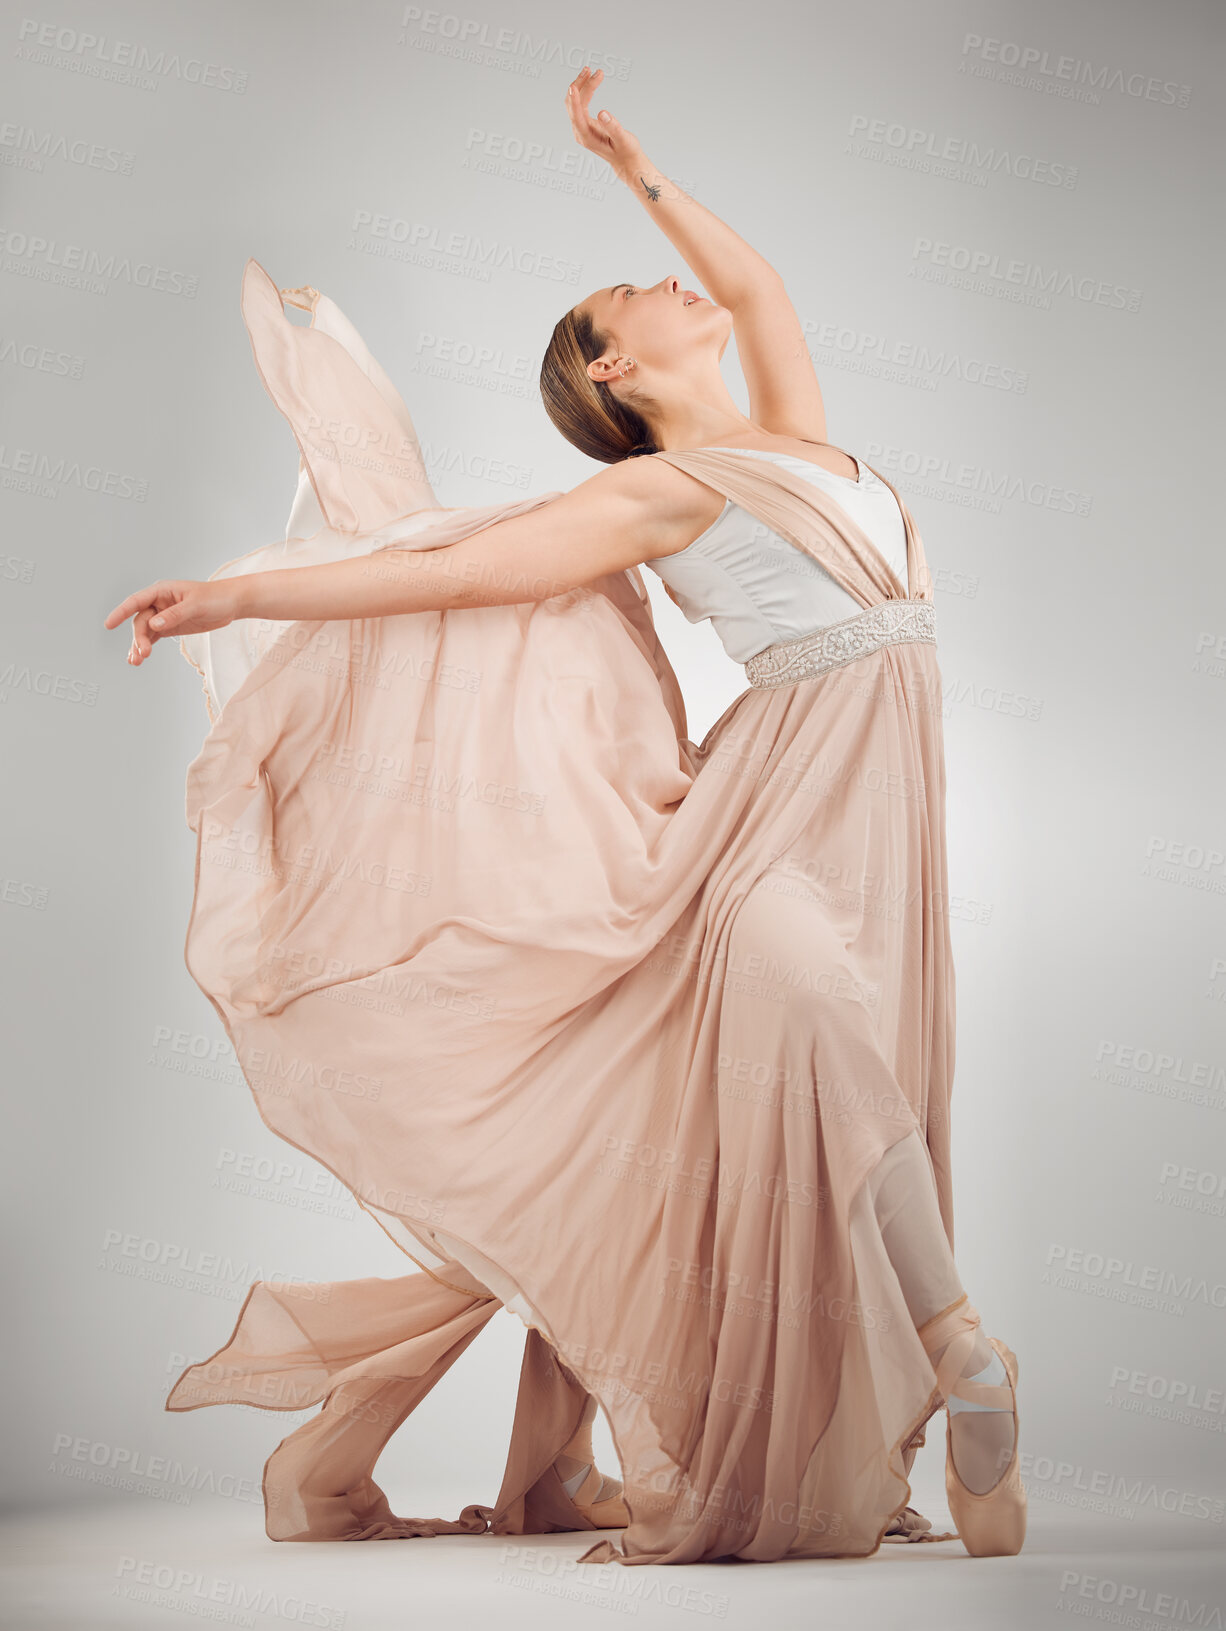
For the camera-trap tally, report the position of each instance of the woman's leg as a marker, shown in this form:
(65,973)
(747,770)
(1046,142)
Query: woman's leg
(319,1482)
(575,1465)
(905,1202)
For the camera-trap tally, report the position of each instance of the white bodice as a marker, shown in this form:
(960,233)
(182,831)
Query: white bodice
(757,588)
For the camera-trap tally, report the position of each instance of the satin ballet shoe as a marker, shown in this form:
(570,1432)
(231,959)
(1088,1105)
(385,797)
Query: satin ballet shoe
(906,1524)
(594,1497)
(911,1525)
(599,1500)
(991,1523)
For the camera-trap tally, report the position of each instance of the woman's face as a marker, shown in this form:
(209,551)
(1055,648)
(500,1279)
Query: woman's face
(660,327)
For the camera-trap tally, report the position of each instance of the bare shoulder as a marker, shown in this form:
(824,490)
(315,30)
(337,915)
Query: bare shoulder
(624,515)
(666,507)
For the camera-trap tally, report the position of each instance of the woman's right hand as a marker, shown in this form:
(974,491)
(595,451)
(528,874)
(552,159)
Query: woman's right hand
(602,135)
(174,607)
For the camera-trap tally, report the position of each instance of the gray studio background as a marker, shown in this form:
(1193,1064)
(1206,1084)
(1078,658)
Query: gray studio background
(1051,413)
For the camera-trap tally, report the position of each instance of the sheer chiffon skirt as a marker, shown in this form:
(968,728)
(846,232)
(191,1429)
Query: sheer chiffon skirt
(602,1025)
(647,1131)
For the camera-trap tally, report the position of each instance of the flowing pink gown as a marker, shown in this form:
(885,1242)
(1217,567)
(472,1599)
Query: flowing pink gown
(600,1024)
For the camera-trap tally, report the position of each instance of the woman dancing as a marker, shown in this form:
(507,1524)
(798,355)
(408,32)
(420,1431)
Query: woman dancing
(649,1041)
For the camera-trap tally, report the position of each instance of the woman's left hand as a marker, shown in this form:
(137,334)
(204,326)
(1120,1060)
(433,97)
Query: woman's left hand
(174,607)
(601,135)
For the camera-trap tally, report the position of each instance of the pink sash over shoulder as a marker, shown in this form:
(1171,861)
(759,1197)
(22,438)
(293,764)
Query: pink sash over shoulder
(598,1023)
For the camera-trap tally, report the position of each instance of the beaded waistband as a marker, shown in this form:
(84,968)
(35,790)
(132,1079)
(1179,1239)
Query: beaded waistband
(889,623)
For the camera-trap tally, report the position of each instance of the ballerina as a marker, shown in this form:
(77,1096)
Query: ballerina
(654,1038)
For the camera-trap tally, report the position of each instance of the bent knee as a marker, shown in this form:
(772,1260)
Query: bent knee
(788,946)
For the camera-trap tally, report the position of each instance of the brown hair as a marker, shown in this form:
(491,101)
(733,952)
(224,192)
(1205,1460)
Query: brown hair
(592,417)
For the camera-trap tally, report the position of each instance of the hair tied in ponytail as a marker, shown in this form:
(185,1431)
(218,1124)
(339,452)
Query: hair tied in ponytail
(591,416)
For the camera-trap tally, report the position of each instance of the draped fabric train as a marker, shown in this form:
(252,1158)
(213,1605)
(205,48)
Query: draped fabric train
(605,1022)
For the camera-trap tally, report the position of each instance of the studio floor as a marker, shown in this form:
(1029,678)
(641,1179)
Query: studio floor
(139,1563)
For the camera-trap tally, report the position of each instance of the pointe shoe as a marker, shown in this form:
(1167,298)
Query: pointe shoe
(599,1500)
(991,1524)
(911,1525)
(594,1497)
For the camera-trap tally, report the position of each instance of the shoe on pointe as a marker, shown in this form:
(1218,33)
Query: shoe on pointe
(991,1524)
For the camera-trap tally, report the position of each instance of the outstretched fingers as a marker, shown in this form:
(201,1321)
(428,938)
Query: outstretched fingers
(142,607)
(129,607)
(602,135)
(578,98)
(582,86)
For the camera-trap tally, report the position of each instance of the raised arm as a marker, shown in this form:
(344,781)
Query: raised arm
(620,517)
(784,395)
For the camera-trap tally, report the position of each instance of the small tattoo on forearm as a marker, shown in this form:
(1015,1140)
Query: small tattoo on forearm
(652,192)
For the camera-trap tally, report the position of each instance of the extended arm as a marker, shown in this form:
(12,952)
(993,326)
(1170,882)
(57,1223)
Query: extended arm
(605,524)
(729,269)
(616,519)
(784,395)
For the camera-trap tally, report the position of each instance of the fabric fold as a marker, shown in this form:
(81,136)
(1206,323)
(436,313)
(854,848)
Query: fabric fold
(616,1022)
